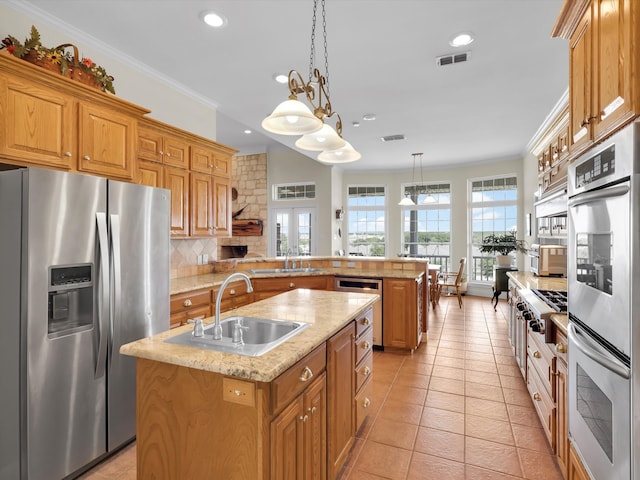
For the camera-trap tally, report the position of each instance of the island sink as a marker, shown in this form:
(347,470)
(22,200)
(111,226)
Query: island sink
(249,336)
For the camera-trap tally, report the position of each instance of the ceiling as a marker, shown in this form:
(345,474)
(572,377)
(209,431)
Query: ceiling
(382,60)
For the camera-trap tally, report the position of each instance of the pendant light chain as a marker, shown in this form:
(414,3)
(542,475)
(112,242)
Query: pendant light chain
(312,56)
(326,51)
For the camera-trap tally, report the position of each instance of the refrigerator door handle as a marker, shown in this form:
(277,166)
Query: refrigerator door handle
(103,294)
(117,282)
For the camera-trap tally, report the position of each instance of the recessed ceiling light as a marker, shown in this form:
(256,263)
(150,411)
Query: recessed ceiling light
(214,19)
(369,116)
(281,77)
(248,131)
(355,124)
(461,39)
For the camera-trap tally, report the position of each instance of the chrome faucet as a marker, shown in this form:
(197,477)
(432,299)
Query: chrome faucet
(217,328)
(286,258)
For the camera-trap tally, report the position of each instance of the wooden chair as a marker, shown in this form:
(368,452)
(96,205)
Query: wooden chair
(451,280)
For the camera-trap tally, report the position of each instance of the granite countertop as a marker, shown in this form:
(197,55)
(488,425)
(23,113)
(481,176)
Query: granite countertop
(531,281)
(327,312)
(209,280)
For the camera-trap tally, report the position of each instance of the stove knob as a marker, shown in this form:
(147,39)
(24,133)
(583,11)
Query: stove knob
(535,326)
(521,306)
(527,315)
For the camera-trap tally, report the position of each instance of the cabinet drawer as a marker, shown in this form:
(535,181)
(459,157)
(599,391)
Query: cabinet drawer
(283,284)
(298,377)
(364,370)
(364,321)
(188,300)
(543,404)
(540,357)
(364,345)
(560,348)
(363,403)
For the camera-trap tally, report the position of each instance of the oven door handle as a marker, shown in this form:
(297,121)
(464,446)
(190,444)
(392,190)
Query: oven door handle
(615,191)
(597,353)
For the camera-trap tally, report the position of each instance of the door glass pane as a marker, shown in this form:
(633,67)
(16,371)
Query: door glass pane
(304,233)
(594,254)
(596,410)
(282,233)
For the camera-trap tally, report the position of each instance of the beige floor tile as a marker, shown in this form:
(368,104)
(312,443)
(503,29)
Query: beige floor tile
(440,443)
(425,466)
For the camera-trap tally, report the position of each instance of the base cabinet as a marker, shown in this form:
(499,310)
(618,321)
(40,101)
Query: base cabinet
(576,469)
(402,312)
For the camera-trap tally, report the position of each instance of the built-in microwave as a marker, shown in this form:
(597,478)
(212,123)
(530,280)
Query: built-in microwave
(548,260)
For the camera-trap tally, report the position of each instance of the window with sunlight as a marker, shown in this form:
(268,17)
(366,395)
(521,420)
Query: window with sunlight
(366,220)
(493,209)
(426,226)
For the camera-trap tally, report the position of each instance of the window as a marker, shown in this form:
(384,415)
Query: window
(366,220)
(494,209)
(293,231)
(300,191)
(426,226)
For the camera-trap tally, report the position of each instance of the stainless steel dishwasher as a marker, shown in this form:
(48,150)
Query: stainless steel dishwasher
(365,285)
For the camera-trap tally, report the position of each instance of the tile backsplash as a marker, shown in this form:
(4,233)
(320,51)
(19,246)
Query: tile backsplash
(185,253)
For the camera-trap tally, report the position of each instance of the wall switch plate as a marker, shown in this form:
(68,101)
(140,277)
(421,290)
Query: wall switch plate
(205,259)
(337,264)
(199,260)
(351,264)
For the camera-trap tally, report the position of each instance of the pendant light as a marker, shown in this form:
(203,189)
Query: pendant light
(429,199)
(293,117)
(345,154)
(407,200)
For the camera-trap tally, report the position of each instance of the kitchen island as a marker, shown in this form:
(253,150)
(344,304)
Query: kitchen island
(295,410)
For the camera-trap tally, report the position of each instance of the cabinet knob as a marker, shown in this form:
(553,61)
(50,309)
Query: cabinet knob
(306,374)
(304,418)
(366,403)
(168,154)
(86,157)
(312,410)
(561,348)
(537,397)
(67,154)
(366,321)
(187,302)
(366,371)
(536,354)
(365,345)
(292,285)
(161,152)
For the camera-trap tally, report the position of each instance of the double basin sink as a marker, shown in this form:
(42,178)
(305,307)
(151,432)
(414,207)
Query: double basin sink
(259,335)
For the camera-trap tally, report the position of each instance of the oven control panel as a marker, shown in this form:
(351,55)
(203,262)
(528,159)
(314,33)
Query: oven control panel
(599,166)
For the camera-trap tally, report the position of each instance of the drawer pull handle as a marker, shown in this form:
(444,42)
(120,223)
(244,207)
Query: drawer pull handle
(366,371)
(237,393)
(86,158)
(292,285)
(304,418)
(306,374)
(67,154)
(312,410)
(365,345)
(232,291)
(561,348)
(366,321)
(537,397)
(536,354)
(187,302)
(366,403)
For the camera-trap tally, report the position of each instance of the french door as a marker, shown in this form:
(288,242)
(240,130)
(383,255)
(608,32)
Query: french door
(293,231)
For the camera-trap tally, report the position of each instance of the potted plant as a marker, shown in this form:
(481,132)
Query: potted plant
(502,244)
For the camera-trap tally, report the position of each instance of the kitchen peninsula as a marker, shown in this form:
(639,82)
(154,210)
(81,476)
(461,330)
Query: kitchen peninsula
(207,414)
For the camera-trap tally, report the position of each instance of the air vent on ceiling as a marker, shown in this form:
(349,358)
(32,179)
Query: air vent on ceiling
(391,138)
(453,58)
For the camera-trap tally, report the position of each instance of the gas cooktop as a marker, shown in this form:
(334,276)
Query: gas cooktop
(556,299)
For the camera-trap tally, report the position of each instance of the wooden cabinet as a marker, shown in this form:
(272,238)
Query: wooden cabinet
(268,287)
(201,205)
(38,124)
(562,420)
(341,390)
(51,121)
(603,57)
(552,152)
(221,207)
(190,305)
(234,296)
(298,435)
(207,160)
(364,366)
(106,142)
(402,312)
(177,181)
(541,383)
(157,144)
(576,468)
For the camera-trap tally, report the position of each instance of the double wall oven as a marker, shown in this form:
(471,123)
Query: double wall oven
(604,335)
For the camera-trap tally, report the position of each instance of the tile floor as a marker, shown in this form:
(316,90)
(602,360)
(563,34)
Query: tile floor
(457,408)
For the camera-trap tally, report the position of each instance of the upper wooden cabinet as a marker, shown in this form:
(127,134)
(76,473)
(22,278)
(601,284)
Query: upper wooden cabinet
(604,54)
(51,121)
(106,142)
(162,147)
(208,160)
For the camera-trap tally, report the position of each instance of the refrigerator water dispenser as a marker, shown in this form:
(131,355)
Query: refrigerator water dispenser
(70,299)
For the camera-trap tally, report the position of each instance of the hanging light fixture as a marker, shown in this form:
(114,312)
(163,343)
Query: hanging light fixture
(293,117)
(429,198)
(407,200)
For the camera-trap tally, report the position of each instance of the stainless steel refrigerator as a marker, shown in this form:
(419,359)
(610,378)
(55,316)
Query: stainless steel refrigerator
(84,268)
